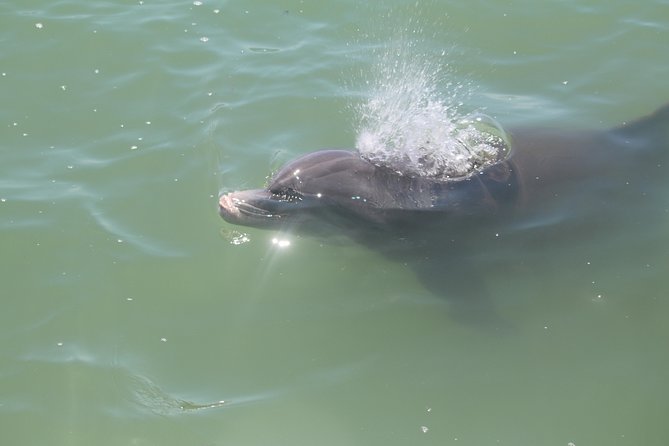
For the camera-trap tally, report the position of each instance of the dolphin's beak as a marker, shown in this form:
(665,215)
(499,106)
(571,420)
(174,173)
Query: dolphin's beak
(251,207)
(227,208)
(264,209)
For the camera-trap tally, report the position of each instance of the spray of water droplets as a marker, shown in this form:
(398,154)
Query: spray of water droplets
(410,125)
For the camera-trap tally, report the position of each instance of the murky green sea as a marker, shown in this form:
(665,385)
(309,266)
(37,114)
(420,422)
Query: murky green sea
(133,315)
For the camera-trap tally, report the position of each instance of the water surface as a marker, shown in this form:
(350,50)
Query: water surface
(134,315)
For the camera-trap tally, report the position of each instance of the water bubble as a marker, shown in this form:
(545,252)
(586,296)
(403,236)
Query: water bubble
(240,239)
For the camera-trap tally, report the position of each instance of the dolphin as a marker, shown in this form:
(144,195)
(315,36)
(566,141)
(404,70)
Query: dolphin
(550,177)
(341,188)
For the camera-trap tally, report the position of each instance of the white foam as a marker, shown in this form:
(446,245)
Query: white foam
(411,124)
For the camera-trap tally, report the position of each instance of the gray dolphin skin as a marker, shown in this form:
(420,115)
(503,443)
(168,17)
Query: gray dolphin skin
(554,185)
(339,188)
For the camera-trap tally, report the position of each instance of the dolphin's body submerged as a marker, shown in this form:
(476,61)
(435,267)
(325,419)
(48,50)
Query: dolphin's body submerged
(549,176)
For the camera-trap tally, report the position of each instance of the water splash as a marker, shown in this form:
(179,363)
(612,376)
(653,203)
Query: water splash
(409,125)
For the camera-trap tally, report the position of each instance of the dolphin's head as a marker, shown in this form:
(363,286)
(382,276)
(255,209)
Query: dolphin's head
(310,189)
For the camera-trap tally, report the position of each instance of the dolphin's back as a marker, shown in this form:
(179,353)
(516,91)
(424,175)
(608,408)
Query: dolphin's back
(654,127)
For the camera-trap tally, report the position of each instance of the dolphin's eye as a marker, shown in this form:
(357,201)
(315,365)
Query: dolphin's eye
(286,194)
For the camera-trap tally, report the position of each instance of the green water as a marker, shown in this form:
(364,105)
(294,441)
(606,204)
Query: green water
(129,317)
